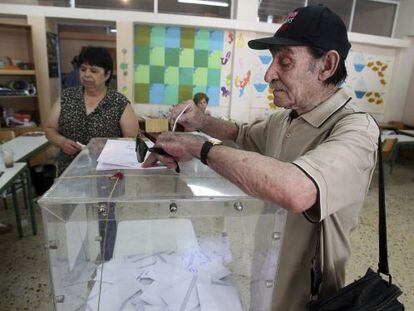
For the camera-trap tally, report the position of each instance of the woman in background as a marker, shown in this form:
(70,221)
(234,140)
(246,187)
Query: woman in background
(91,110)
(201,101)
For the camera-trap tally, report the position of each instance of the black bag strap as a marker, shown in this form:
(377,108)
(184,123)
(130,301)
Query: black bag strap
(316,270)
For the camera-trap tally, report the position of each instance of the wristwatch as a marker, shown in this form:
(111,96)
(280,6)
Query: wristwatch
(205,149)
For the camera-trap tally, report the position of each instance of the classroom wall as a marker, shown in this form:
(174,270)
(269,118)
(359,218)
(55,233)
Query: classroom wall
(400,50)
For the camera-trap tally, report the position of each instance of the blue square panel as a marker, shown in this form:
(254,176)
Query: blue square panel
(216,40)
(172,37)
(156,93)
(213,92)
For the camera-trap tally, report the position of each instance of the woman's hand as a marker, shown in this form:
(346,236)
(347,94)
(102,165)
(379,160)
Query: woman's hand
(69,146)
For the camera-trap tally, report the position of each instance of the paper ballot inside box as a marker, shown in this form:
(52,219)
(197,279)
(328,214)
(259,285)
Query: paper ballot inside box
(152,236)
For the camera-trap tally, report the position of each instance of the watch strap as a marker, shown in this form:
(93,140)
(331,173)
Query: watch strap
(205,149)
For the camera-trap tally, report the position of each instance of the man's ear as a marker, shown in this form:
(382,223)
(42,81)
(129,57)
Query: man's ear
(330,62)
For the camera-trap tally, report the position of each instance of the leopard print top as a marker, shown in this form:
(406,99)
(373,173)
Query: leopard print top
(75,124)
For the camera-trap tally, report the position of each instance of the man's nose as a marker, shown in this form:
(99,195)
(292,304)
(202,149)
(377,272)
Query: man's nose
(271,73)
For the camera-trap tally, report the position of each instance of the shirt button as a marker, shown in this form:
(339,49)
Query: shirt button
(288,135)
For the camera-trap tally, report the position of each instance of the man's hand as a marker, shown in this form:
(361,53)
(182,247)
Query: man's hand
(70,147)
(180,147)
(192,119)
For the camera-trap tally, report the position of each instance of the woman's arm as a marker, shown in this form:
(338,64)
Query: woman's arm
(52,134)
(129,122)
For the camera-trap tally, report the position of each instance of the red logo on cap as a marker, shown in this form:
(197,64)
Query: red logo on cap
(289,19)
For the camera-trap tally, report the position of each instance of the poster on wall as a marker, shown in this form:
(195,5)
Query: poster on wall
(368,80)
(172,63)
(251,98)
(52,57)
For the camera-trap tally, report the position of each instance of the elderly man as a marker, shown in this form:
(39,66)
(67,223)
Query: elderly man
(315,158)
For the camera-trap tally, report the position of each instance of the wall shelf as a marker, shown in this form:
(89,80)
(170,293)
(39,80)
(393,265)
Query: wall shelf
(17,72)
(18,96)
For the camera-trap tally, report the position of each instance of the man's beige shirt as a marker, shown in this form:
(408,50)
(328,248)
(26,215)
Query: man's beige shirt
(336,147)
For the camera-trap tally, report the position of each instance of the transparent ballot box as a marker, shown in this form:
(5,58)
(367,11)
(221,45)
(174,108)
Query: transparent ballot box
(155,239)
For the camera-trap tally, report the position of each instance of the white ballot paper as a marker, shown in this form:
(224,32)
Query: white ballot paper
(120,154)
(164,281)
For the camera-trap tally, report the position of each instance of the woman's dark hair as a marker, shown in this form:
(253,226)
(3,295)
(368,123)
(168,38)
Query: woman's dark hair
(340,74)
(199,96)
(97,56)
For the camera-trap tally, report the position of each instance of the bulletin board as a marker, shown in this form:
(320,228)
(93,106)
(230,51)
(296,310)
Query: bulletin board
(172,63)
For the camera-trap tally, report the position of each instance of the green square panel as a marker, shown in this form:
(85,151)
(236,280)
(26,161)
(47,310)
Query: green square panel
(214,61)
(157,74)
(199,89)
(200,76)
(187,58)
(187,38)
(171,94)
(142,74)
(172,57)
(186,76)
(171,75)
(142,56)
(141,93)
(185,92)
(158,36)
(213,77)
(202,37)
(200,58)
(157,56)
(142,35)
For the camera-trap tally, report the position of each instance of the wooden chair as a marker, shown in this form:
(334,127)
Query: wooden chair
(388,151)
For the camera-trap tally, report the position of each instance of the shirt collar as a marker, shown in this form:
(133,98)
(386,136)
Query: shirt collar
(317,116)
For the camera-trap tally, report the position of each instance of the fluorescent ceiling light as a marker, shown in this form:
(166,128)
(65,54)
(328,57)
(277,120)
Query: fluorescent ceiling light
(205,2)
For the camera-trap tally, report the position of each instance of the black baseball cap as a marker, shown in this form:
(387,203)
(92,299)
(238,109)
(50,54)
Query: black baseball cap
(315,26)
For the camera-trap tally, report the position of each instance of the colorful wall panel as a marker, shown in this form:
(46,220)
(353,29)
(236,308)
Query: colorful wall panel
(171,64)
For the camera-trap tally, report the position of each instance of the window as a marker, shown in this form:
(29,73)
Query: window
(374,17)
(275,11)
(64,3)
(341,7)
(216,8)
(138,5)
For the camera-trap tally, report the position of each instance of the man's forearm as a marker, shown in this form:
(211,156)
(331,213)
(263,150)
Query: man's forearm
(223,130)
(264,177)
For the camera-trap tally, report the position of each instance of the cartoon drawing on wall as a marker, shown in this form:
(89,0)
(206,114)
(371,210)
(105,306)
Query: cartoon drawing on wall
(374,98)
(360,88)
(224,91)
(241,84)
(240,40)
(380,68)
(271,98)
(173,63)
(231,37)
(225,58)
(368,80)
(265,59)
(359,62)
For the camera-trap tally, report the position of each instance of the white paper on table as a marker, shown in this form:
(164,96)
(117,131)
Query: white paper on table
(120,154)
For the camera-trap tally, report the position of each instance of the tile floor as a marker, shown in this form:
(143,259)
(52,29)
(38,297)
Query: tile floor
(24,275)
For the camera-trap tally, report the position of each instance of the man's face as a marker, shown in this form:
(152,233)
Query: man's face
(293,76)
